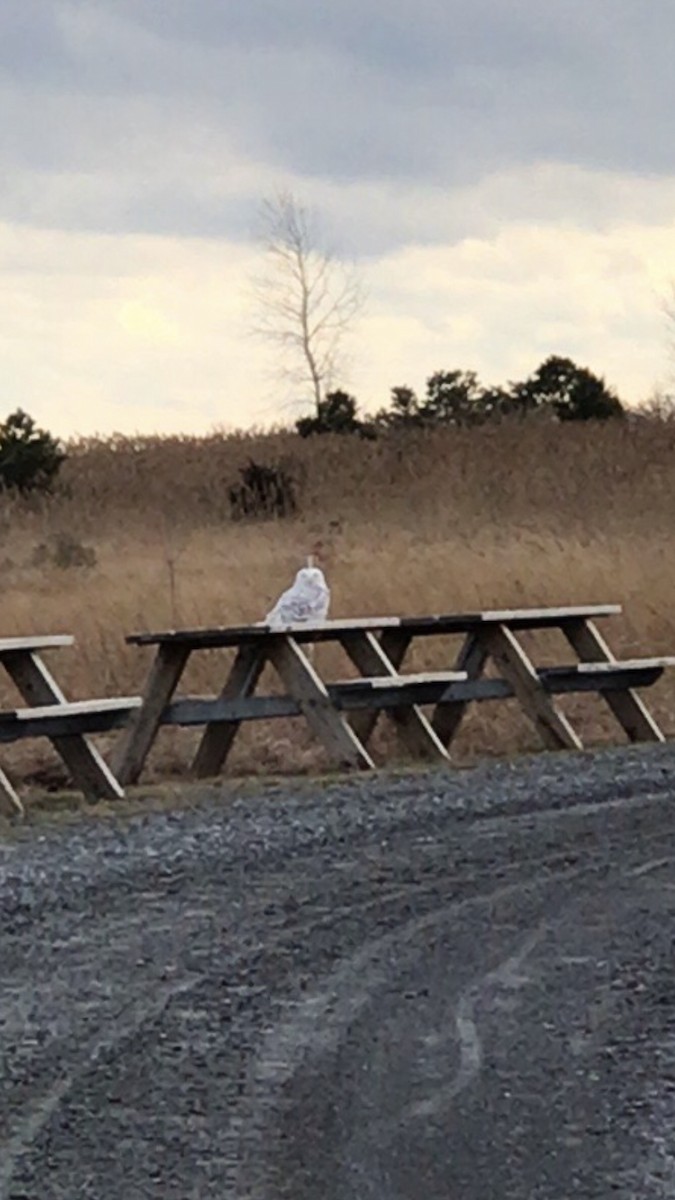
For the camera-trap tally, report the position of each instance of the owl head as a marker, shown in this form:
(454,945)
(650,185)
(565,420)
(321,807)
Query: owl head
(310,577)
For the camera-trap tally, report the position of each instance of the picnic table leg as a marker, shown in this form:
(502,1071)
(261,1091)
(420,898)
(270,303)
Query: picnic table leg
(629,709)
(516,667)
(368,656)
(36,684)
(394,644)
(132,749)
(8,798)
(218,737)
(472,657)
(308,689)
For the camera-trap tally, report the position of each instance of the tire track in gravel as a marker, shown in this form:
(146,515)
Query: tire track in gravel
(246,1025)
(120,1029)
(315,1025)
(272,1067)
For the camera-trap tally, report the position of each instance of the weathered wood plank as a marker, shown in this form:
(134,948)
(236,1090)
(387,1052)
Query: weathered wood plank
(73,708)
(46,642)
(597,670)
(204,710)
(305,686)
(562,680)
(199,710)
(219,735)
(89,770)
(472,657)
(350,697)
(629,709)
(515,618)
(64,719)
(131,751)
(522,618)
(222,637)
(554,728)
(376,683)
(449,688)
(369,657)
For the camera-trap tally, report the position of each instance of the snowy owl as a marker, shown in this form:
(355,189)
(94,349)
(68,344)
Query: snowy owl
(306,600)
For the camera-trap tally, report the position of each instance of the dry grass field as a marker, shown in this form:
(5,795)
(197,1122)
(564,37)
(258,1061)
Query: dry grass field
(511,515)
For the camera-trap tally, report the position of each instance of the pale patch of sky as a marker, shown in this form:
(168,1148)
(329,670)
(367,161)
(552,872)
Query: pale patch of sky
(504,172)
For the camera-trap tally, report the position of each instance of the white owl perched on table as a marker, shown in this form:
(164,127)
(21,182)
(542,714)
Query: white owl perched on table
(307,600)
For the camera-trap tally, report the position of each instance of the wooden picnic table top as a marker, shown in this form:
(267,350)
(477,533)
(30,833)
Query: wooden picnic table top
(326,631)
(39,642)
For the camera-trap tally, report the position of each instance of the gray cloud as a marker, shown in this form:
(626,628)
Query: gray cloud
(136,114)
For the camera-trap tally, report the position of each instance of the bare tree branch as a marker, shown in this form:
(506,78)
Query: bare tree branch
(306,299)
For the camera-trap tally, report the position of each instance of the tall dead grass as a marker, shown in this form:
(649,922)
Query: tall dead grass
(514,515)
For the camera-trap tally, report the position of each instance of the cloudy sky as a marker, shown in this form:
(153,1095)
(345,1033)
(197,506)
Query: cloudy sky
(503,172)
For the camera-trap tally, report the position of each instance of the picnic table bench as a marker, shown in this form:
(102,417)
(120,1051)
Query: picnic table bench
(343,713)
(50,715)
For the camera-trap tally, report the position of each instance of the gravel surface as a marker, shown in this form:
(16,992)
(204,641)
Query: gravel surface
(430,986)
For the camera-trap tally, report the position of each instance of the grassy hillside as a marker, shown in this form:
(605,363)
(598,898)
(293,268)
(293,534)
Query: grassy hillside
(510,515)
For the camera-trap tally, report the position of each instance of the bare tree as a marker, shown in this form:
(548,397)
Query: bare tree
(306,299)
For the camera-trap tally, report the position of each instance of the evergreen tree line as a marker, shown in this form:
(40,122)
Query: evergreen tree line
(30,457)
(558,388)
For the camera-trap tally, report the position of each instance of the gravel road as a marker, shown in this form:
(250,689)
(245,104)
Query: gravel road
(435,986)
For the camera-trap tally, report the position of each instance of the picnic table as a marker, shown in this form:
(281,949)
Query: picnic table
(51,715)
(343,713)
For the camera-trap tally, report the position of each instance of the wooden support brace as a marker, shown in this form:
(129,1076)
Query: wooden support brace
(472,657)
(306,687)
(629,709)
(393,645)
(368,656)
(38,687)
(9,801)
(131,751)
(514,664)
(218,737)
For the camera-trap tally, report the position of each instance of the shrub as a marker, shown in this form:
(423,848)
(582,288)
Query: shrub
(573,393)
(64,551)
(30,458)
(336,413)
(264,492)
